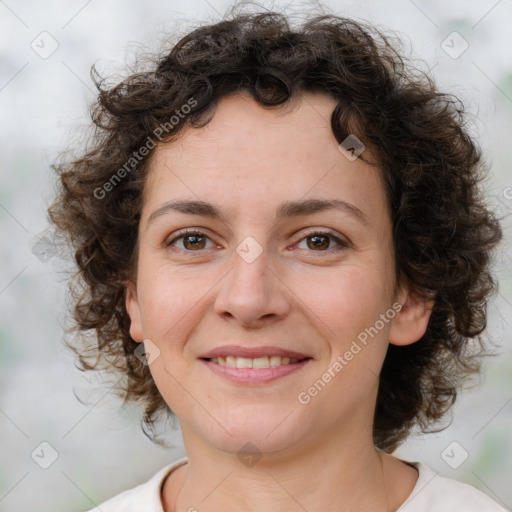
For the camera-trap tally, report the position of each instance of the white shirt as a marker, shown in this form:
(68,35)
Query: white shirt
(432,493)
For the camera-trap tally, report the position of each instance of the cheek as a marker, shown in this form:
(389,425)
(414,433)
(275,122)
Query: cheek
(346,300)
(169,380)
(170,305)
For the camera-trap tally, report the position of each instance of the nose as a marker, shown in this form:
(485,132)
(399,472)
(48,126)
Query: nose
(252,293)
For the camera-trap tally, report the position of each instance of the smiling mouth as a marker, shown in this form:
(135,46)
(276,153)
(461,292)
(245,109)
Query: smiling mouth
(258,362)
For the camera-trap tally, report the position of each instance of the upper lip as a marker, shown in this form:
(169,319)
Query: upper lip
(252,352)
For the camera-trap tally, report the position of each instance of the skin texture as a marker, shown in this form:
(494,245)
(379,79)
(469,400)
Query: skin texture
(187,301)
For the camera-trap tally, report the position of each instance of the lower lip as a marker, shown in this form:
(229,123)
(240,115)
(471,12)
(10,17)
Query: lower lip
(255,375)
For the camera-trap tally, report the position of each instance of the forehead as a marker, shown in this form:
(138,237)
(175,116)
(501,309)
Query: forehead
(250,157)
(243,126)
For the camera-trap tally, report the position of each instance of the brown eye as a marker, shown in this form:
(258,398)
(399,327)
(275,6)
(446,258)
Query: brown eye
(192,240)
(196,242)
(320,241)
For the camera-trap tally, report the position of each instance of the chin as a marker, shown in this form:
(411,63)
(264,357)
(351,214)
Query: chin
(265,434)
(253,442)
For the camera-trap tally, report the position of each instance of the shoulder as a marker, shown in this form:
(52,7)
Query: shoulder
(144,497)
(435,493)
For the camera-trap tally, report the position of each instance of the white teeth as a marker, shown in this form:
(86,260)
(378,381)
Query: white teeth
(275,361)
(243,362)
(258,362)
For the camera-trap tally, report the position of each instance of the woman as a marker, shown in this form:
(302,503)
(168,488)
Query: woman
(284,245)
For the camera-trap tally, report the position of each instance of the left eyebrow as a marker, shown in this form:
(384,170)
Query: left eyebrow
(288,209)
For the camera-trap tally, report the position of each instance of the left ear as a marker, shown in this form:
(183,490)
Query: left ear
(410,323)
(133,308)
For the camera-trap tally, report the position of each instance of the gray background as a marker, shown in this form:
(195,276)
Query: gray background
(100,448)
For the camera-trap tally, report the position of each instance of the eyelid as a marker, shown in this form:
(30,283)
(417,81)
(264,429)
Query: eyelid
(342,241)
(183,233)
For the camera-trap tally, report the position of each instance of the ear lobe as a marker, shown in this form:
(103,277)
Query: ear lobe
(410,323)
(133,309)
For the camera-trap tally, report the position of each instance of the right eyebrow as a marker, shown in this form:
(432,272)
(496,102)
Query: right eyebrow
(201,208)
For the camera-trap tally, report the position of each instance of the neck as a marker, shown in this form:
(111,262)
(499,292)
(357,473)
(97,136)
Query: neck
(345,476)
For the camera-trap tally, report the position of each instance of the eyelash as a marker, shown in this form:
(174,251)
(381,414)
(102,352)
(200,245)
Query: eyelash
(190,232)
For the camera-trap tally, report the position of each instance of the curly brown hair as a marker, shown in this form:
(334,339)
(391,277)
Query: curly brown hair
(444,235)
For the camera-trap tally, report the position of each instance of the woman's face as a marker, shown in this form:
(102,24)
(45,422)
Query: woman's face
(268,268)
